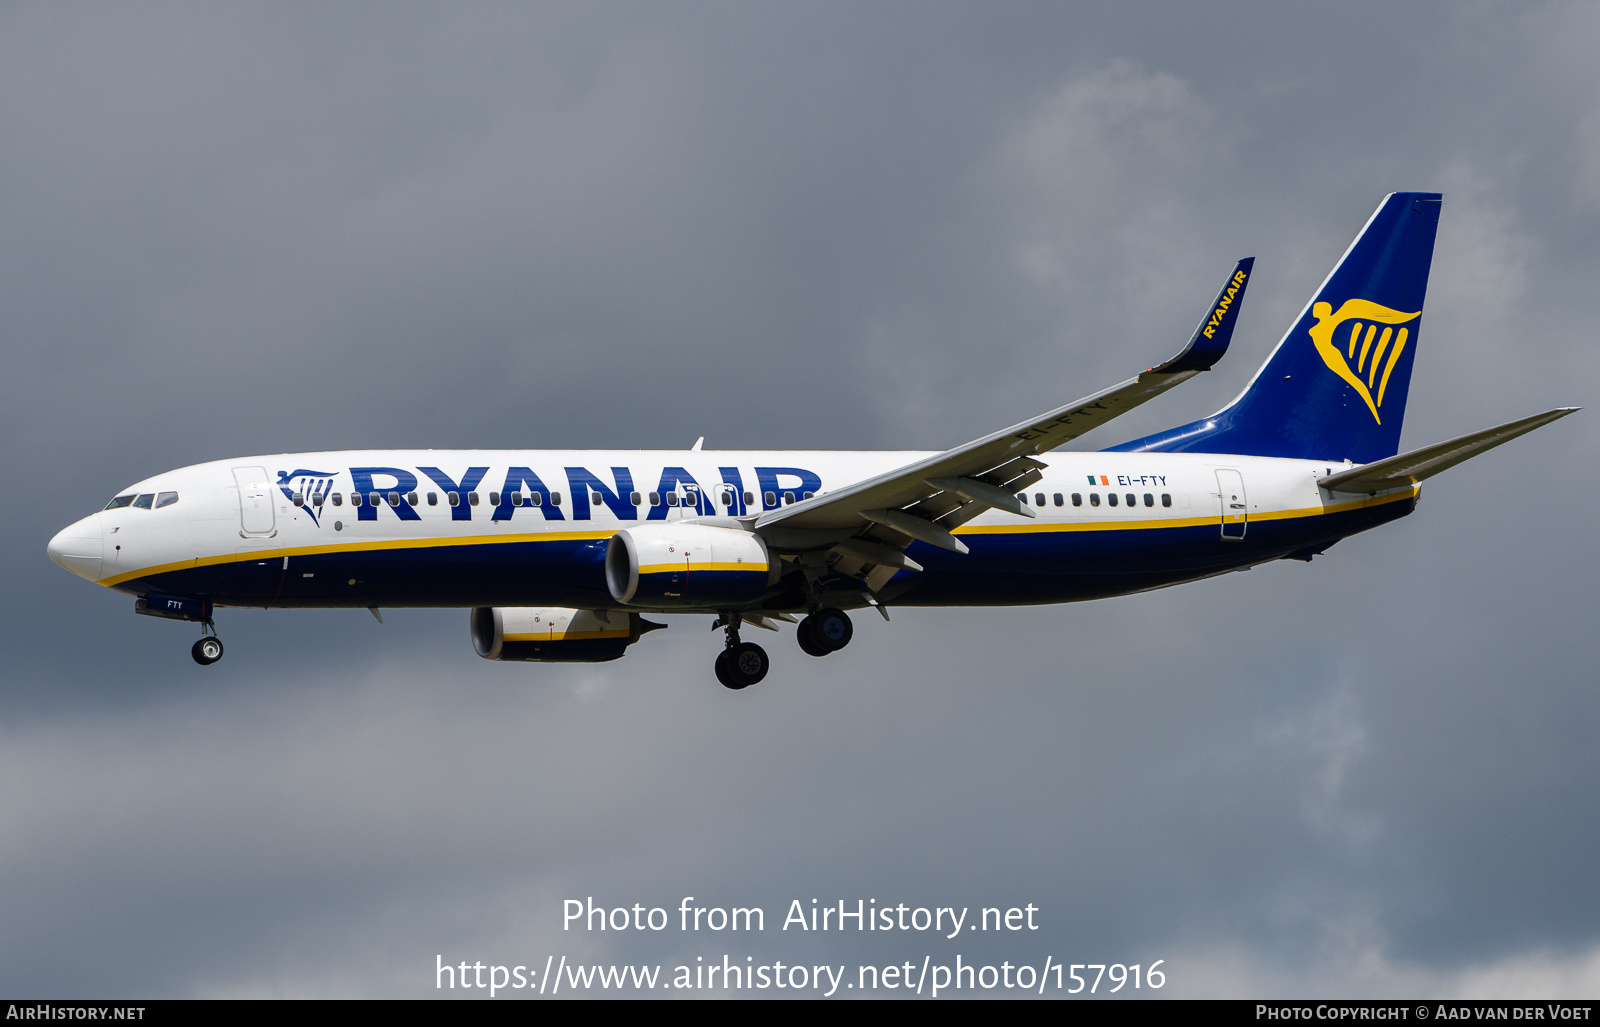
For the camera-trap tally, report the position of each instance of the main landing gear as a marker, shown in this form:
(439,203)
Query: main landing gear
(826,631)
(209,649)
(740,664)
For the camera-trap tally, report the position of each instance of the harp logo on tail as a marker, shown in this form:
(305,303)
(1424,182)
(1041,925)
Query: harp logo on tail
(1355,347)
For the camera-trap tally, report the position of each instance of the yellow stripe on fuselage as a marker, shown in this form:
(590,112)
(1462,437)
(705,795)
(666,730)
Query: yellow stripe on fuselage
(1029,527)
(356,547)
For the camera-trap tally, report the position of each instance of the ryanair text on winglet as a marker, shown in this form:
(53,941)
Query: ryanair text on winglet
(1228,294)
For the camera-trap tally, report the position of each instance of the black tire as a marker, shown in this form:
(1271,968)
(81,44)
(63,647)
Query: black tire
(831,628)
(724,672)
(806,635)
(744,664)
(207,651)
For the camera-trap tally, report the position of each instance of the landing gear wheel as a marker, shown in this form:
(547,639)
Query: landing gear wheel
(831,628)
(806,635)
(207,651)
(742,665)
(722,671)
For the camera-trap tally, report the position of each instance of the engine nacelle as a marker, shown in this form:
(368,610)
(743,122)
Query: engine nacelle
(553,634)
(684,563)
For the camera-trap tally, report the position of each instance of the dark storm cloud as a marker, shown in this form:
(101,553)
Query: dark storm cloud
(254,229)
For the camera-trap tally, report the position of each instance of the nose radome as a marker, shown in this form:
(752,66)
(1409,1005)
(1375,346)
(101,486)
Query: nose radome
(77,548)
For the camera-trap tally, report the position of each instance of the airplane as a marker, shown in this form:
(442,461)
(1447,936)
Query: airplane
(561,555)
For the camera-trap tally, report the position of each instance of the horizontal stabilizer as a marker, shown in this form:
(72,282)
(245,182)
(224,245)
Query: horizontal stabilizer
(1409,468)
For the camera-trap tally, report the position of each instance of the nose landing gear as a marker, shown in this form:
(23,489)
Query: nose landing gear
(209,649)
(740,664)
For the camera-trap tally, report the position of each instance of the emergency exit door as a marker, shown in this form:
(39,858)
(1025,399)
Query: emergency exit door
(1235,507)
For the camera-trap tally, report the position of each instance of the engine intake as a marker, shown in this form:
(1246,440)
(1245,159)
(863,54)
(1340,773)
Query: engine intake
(686,564)
(553,634)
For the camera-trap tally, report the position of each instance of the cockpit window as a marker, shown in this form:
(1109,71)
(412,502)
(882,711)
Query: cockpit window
(145,501)
(120,502)
(166,499)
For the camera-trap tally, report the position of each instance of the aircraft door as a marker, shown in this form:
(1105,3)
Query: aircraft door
(255,501)
(1235,506)
(687,498)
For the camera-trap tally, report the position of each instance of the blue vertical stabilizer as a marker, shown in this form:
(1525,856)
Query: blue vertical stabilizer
(1335,388)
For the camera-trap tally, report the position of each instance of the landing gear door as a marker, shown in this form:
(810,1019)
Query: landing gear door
(1235,506)
(255,502)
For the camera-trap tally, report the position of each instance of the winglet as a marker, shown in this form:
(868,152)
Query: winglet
(1212,335)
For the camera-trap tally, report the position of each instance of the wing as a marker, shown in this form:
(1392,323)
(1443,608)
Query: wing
(868,525)
(1409,468)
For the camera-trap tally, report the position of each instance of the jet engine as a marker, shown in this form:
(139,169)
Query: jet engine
(687,564)
(552,634)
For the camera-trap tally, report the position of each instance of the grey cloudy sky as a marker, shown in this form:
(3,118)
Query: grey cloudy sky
(238,229)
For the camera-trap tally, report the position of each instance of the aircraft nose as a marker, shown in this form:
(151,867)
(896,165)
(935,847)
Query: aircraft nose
(77,548)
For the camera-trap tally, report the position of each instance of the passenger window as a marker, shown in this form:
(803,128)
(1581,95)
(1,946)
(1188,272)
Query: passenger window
(317,499)
(1022,497)
(355,499)
(433,499)
(1149,500)
(120,502)
(394,499)
(555,499)
(1058,499)
(1133,500)
(516,499)
(494,499)
(373,499)
(1166,499)
(749,497)
(633,497)
(770,498)
(1094,499)
(145,501)
(1038,499)
(453,498)
(411,499)
(808,495)
(594,499)
(298,499)
(166,499)
(655,499)
(672,499)
(1111,497)
(337,499)
(536,498)
(1077,499)
(788,497)
(472,499)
